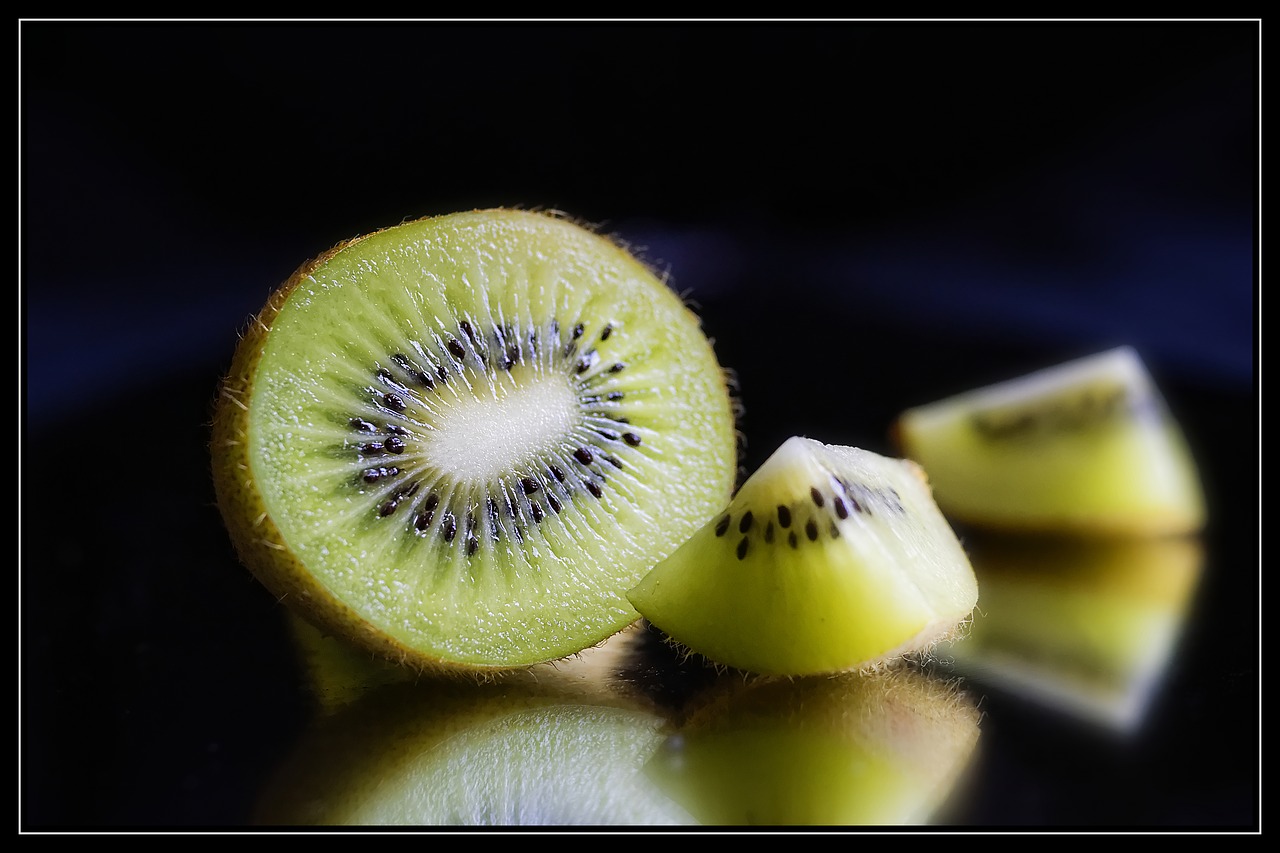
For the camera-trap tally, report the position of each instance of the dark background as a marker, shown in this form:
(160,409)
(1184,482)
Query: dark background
(867,214)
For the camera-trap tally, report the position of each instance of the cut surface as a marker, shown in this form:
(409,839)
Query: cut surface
(460,440)
(1085,446)
(828,559)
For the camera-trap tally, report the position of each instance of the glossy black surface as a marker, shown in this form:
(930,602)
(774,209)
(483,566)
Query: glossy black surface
(867,215)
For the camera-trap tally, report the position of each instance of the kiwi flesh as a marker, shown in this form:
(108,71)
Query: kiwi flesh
(458,441)
(1087,446)
(827,559)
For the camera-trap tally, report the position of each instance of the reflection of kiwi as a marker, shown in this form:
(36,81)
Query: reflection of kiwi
(881,749)
(828,559)
(458,441)
(566,747)
(1085,626)
(1086,446)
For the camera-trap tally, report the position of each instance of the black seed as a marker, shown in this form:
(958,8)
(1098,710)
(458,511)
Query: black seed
(784,516)
(424,379)
(608,433)
(393,445)
(631,438)
(432,501)
(373,475)
(370,447)
(456,348)
(578,330)
(422,520)
(606,331)
(518,533)
(408,491)
(742,547)
(791,539)
(768,532)
(557,473)
(594,488)
(722,525)
(396,429)
(473,545)
(835,532)
(614,395)
(443,373)
(528,485)
(811,530)
(383,373)
(614,461)
(622,420)
(470,333)
(569,349)
(536,511)
(448,527)
(745,524)
(583,455)
(857,507)
(618,367)
(492,506)
(841,509)
(393,401)
(553,502)
(362,425)
(388,507)
(816,495)
(588,359)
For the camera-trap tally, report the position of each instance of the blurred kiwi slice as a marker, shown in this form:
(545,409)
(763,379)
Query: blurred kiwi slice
(458,441)
(1085,446)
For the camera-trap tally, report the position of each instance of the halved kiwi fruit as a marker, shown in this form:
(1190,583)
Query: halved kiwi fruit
(458,441)
(828,559)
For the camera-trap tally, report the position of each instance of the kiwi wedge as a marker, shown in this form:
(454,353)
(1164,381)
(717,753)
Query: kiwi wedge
(828,559)
(458,441)
(1088,446)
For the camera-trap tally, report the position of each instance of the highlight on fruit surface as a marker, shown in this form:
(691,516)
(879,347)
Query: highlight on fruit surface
(1088,446)
(1085,627)
(888,749)
(458,441)
(828,559)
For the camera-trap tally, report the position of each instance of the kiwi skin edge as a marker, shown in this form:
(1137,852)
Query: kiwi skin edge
(258,542)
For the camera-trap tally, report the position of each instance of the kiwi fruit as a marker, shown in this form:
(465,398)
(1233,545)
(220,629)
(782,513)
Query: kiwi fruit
(1087,446)
(827,559)
(1084,626)
(880,749)
(457,441)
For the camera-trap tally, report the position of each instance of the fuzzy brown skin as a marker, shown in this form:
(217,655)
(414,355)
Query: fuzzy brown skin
(257,540)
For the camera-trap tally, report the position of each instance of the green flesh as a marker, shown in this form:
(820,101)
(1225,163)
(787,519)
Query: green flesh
(821,593)
(460,554)
(1086,445)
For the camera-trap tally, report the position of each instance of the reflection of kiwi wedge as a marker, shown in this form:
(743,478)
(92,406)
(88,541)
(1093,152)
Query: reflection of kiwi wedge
(856,750)
(828,559)
(1086,446)
(458,441)
(1084,626)
(566,747)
